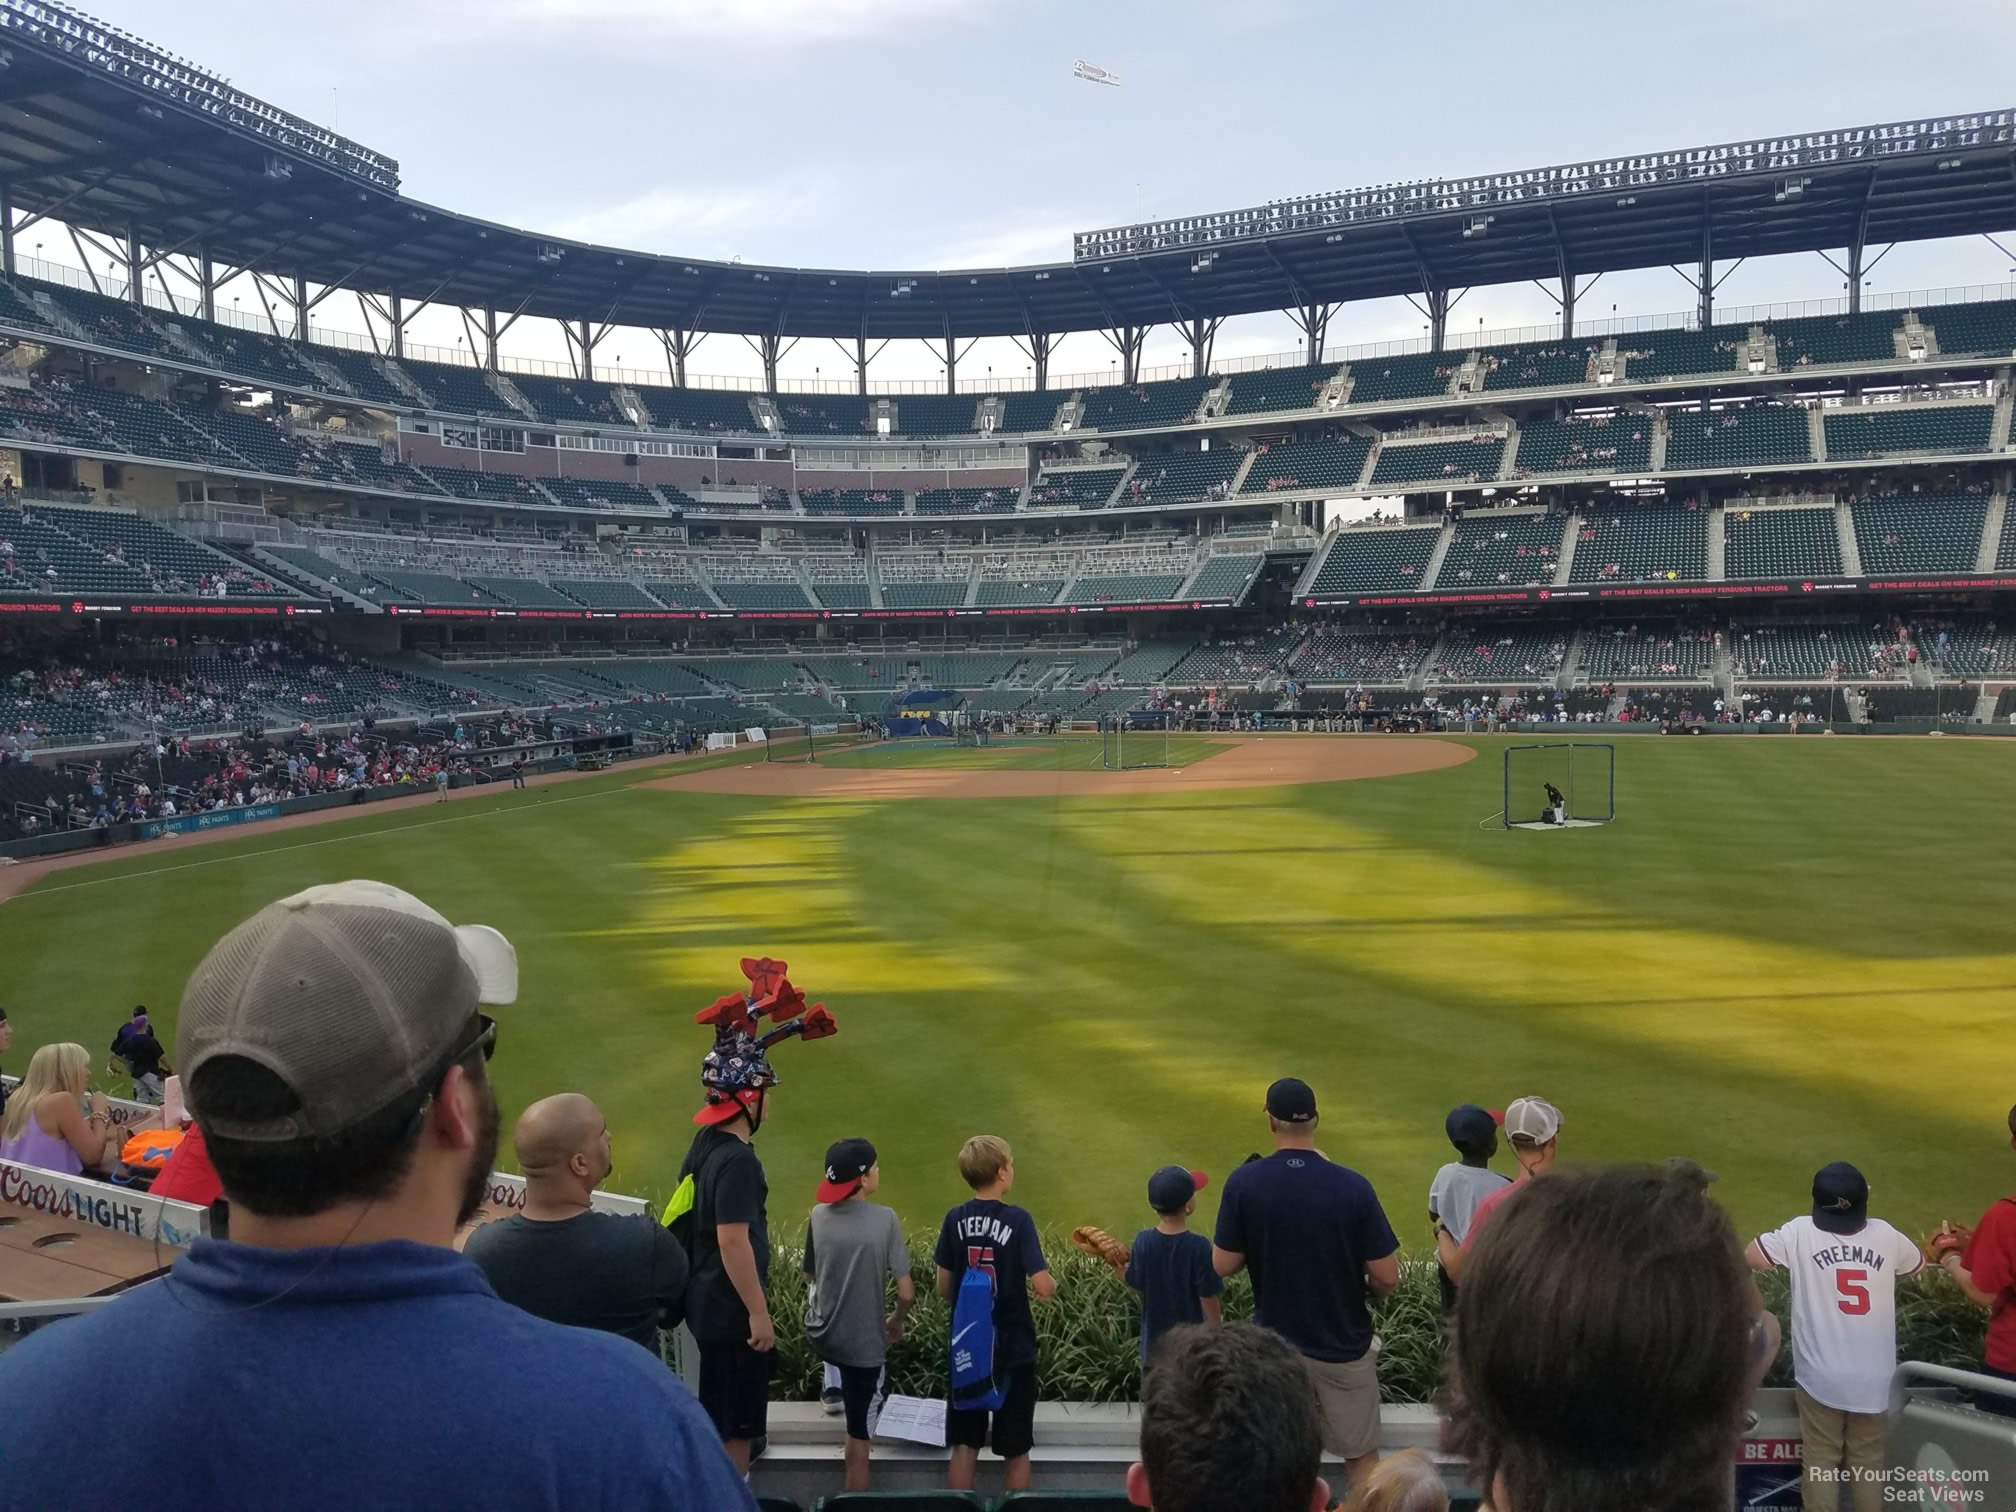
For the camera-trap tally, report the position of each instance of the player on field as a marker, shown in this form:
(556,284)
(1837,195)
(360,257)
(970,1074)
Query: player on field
(1844,1267)
(1557,806)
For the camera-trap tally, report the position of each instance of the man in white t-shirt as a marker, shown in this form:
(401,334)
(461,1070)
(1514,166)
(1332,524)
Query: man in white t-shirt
(1844,1267)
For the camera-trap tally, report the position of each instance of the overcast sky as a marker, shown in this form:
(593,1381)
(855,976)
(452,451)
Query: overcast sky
(950,133)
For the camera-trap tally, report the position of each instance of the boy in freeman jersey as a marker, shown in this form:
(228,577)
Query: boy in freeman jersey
(989,1234)
(1844,1267)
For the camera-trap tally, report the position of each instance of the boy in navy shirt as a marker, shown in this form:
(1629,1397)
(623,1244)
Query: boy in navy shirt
(1169,1265)
(988,1234)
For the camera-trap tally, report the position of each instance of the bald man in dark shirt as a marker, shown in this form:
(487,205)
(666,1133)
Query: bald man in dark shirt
(561,1260)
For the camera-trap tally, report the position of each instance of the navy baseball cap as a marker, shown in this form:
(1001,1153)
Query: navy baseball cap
(847,1162)
(1470,1127)
(1840,1199)
(1291,1101)
(1172,1186)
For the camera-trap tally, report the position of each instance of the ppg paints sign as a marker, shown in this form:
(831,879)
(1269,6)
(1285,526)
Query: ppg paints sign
(95,1204)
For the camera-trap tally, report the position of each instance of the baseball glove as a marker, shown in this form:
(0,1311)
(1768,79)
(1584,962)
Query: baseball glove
(1947,1239)
(1099,1243)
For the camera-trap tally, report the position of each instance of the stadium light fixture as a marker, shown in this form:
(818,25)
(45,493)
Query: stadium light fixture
(1202,262)
(548,253)
(1790,189)
(901,287)
(1480,225)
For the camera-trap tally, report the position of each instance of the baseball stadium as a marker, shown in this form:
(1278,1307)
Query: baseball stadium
(1612,715)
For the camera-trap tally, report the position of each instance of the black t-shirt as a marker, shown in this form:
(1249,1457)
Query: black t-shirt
(1173,1273)
(728,1187)
(1001,1238)
(142,1053)
(1307,1229)
(596,1270)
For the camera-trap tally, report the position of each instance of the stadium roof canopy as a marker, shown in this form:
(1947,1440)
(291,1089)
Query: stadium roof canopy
(103,131)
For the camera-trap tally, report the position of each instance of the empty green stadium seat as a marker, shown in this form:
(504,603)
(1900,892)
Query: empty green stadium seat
(1822,339)
(1538,364)
(1473,460)
(1063,1501)
(1675,353)
(1328,462)
(1280,390)
(937,501)
(1169,477)
(1375,561)
(1495,549)
(1747,436)
(1620,443)
(1080,488)
(901,1501)
(1627,542)
(1420,375)
(1139,405)
(1935,531)
(1883,429)
(1769,542)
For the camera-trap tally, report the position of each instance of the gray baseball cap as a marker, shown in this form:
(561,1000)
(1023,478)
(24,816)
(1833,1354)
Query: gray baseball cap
(351,994)
(1532,1120)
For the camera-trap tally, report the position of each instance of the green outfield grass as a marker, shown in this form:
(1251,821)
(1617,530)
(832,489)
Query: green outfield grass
(1785,952)
(1054,753)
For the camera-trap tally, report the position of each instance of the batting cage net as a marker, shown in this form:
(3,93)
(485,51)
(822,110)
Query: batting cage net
(1566,785)
(794,747)
(1133,742)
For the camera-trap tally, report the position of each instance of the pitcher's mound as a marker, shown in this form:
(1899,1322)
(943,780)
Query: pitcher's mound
(1247,762)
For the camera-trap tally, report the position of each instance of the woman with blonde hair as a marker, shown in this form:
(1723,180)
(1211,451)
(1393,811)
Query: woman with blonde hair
(52,1122)
(1403,1482)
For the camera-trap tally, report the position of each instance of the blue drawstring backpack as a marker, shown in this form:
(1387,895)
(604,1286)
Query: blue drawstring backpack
(974,1388)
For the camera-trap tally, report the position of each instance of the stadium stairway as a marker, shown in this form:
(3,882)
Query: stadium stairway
(510,393)
(1571,533)
(1724,671)
(1816,429)
(1994,525)
(1417,680)
(1239,477)
(1844,523)
(403,381)
(288,572)
(1718,545)
(1660,433)
(1437,554)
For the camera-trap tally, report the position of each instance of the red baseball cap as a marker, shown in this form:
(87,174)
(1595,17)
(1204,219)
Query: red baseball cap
(848,1163)
(1172,1186)
(749,1098)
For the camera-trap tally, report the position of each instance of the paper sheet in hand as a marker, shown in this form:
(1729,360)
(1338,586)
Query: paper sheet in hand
(914,1420)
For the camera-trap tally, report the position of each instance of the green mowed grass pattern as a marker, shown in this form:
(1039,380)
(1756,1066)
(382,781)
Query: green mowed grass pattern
(1784,952)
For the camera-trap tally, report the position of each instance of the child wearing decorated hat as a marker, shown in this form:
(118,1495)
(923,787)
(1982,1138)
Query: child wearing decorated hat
(719,1211)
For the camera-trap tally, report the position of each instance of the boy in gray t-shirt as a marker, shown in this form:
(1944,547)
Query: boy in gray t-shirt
(1460,1185)
(852,1249)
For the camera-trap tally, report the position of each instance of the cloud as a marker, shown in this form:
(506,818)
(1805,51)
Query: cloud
(1007,244)
(709,223)
(775,22)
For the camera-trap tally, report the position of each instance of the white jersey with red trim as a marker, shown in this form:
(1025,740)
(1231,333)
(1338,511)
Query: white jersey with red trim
(1844,1308)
